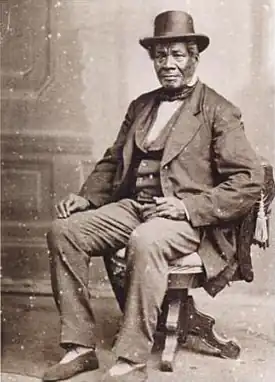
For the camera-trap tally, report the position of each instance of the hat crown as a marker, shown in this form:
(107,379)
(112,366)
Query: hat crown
(173,23)
(175,26)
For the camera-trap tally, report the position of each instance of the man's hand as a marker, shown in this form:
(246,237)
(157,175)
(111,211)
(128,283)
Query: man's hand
(72,203)
(165,207)
(170,207)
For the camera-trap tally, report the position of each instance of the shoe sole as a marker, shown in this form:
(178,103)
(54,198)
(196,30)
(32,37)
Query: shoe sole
(138,375)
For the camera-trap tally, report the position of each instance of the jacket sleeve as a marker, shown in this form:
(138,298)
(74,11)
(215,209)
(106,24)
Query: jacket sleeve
(98,187)
(237,169)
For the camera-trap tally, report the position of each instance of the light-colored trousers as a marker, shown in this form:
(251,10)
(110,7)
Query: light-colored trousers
(150,245)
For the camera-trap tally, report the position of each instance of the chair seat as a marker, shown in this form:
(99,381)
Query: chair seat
(188,264)
(186,272)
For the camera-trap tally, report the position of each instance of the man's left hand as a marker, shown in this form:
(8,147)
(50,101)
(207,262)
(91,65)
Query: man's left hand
(170,207)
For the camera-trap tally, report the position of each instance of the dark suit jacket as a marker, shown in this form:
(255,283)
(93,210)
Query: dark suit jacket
(207,162)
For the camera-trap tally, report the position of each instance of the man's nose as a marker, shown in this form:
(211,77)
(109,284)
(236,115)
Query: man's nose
(169,61)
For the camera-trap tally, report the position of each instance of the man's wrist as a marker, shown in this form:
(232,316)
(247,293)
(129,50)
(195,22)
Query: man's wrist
(91,205)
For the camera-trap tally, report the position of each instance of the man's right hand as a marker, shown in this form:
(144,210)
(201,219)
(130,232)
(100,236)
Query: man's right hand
(73,203)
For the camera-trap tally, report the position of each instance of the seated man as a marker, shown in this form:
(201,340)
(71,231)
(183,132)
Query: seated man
(178,176)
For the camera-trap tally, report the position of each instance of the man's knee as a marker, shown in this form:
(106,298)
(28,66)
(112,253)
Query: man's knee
(143,239)
(58,228)
(146,251)
(68,234)
(62,230)
(159,237)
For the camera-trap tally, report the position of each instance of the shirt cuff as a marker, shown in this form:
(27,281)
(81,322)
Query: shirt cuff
(185,210)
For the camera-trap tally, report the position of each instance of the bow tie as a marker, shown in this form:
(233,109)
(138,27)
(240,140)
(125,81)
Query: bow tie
(175,95)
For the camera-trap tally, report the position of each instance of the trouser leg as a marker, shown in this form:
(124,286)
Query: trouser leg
(150,247)
(71,243)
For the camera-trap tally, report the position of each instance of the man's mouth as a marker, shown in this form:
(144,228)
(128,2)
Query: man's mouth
(168,76)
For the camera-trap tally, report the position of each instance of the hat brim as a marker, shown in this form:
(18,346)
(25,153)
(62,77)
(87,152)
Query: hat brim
(201,40)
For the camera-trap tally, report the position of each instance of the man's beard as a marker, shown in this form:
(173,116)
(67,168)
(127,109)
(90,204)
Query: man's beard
(189,71)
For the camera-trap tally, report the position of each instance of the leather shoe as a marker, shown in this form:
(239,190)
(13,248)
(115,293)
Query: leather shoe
(84,362)
(137,373)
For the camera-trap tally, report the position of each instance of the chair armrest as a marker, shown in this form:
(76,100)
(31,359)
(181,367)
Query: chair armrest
(248,223)
(263,206)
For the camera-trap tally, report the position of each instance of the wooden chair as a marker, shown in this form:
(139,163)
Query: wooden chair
(180,318)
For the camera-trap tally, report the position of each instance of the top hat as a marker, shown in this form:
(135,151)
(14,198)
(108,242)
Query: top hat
(175,26)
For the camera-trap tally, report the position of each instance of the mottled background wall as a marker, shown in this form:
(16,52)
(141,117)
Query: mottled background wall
(69,70)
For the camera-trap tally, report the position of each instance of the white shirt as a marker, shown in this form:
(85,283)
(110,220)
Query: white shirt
(165,111)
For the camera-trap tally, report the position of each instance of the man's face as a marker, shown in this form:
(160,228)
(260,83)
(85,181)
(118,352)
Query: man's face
(173,64)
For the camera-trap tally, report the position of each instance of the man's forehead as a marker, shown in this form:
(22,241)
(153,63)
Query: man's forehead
(178,45)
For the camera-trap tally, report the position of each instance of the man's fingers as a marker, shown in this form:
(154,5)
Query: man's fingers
(69,207)
(61,211)
(70,200)
(58,213)
(70,204)
(162,214)
(63,208)
(147,206)
(163,208)
(168,215)
(160,200)
(73,206)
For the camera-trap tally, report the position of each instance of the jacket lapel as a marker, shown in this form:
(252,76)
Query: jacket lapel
(185,126)
(138,127)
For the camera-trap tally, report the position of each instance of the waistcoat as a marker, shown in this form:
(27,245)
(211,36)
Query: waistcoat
(146,159)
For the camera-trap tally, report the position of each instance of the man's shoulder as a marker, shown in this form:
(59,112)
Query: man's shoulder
(145,97)
(217,100)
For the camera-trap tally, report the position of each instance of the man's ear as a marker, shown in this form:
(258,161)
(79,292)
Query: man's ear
(196,59)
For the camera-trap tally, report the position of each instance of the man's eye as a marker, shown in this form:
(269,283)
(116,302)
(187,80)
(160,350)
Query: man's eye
(160,55)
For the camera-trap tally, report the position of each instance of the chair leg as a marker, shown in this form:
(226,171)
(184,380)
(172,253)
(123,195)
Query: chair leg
(201,325)
(172,307)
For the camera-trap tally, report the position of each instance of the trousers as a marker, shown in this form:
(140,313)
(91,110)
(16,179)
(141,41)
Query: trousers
(150,244)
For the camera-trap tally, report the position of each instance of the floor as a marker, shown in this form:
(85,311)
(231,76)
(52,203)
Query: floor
(30,340)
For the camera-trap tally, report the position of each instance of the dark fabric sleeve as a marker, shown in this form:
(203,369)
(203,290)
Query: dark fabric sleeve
(237,168)
(98,187)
